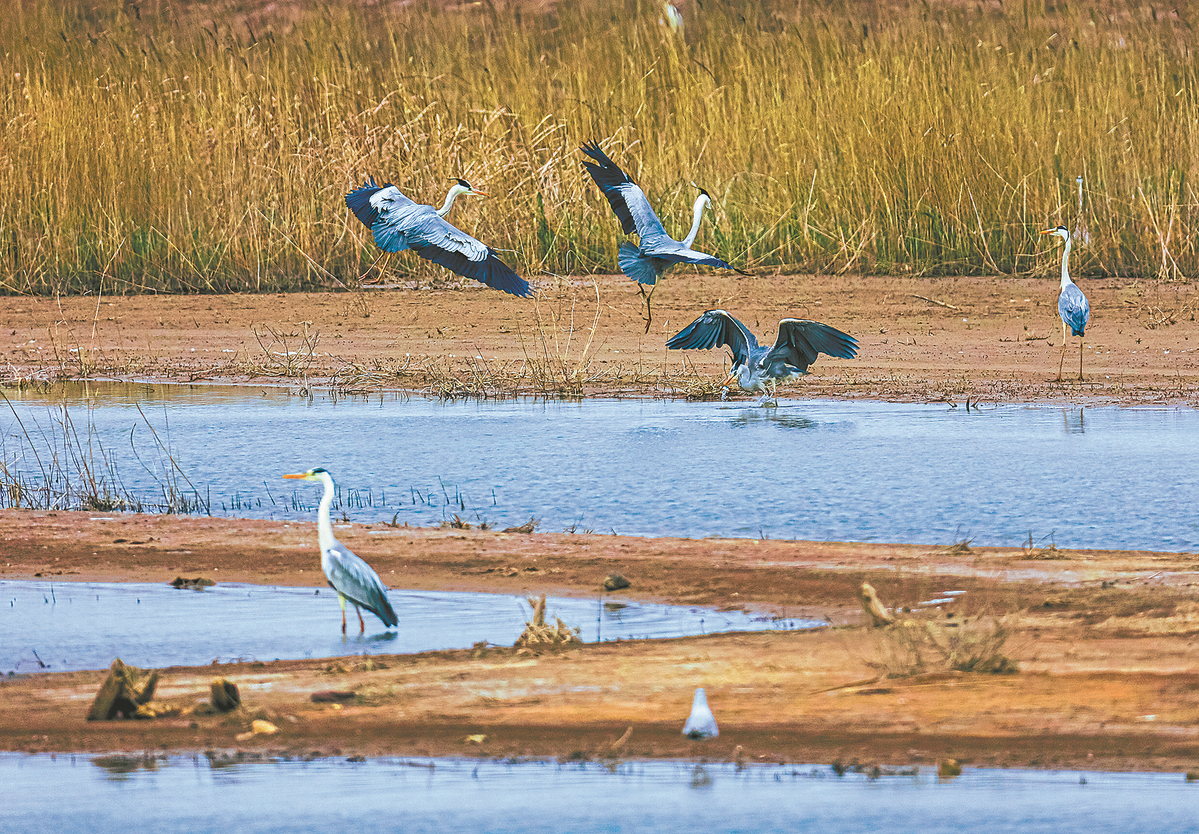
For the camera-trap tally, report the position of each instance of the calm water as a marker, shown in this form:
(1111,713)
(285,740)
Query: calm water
(852,471)
(74,793)
(84,625)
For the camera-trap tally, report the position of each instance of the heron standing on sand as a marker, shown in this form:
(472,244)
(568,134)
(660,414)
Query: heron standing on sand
(1072,305)
(348,574)
(757,367)
(398,223)
(657,251)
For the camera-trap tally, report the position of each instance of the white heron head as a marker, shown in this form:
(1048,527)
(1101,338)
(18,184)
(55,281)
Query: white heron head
(1060,231)
(461,186)
(319,474)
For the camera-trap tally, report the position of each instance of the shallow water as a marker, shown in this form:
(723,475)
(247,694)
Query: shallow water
(838,471)
(183,794)
(84,625)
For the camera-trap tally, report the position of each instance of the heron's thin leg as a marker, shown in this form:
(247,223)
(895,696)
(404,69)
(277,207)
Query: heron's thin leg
(342,600)
(1080,359)
(1063,356)
(362,279)
(361,624)
(649,313)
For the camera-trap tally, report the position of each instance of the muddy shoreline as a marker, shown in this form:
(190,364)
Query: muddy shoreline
(1104,642)
(922,339)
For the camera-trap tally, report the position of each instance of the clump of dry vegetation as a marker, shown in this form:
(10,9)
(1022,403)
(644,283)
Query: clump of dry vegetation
(914,642)
(915,645)
(539,635)
(206,147)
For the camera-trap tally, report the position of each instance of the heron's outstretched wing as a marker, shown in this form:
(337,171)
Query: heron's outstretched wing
(398,223)
(1074,309)
(384,210)
(800,341)
(626,198)
(675,252)
(437,240)
(357,581)
(716,328)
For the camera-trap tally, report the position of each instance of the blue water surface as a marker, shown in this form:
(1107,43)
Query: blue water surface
(1123,478)
(185,794)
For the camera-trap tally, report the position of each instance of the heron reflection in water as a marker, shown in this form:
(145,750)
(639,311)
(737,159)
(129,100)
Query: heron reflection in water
(1072,421)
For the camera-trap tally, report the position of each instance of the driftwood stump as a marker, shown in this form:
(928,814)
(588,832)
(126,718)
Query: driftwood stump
(879,616)
(225,696)
(124,690)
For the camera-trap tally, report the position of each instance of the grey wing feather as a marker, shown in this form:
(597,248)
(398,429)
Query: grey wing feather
(672,250)
(716,328)
(800,341)
(436,239)
(625,196)
(357,581)
(637,266)
(1074,309)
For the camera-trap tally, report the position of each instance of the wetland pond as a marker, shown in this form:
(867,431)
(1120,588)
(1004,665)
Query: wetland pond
(1104,477)
(219,794)
(84,625)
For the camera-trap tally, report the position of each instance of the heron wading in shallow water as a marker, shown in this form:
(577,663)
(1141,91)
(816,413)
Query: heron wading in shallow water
(1072,305)
(348,574)
(656,251)
(758,367)
(398,223)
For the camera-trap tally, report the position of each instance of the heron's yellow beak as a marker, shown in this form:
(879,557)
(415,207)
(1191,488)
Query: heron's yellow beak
(1048,231)
(729,380)
(300,475)
(476,192)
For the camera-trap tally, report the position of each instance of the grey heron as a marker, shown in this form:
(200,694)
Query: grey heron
(757,367)
(398,223)
(1072,305)
(348,574)
(657,251)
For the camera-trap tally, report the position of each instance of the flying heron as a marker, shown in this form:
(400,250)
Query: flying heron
(657,251)
(1072,305)
(398,223)
(757,367)
(348,574)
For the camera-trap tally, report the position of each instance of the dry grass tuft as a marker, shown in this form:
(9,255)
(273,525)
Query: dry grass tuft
(916,645)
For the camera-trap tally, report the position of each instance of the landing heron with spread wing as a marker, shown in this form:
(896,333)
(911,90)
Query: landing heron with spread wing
(1072,305)
(348,574)
(398,223)
(760,367)
(657,251)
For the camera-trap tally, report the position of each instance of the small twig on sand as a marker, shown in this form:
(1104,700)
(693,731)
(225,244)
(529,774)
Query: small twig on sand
(934,301)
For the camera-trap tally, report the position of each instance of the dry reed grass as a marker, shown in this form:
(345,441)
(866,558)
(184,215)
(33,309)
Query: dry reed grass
(207,147)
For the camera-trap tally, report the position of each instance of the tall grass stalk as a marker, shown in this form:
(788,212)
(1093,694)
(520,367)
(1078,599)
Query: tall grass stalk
(73,470)
(183,147)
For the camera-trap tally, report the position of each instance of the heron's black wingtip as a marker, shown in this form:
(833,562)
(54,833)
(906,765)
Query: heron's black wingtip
(359,201)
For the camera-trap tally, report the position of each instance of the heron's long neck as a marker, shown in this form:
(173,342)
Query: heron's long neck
(449,200)
(324,527)
(697,214)
(1066,265)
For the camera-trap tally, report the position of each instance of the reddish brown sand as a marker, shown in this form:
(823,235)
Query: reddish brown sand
(999,340)
(1104,641)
